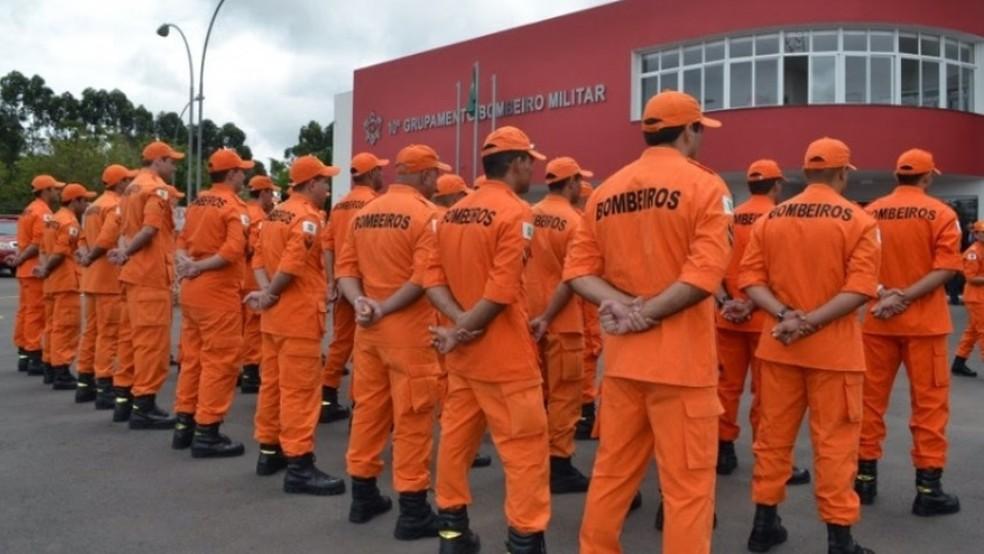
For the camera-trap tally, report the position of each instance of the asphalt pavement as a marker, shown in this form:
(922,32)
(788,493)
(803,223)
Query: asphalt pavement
(73,481)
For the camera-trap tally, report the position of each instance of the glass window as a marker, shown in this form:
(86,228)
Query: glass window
(855,79)
(855,41)
(765,45)
(714,87)
(668,81)
(670,59)
(767,82)
(910,82)
(797,42)
(952,86)
(741,47)
(650,87)
(882,42)
(823,81)
(966,89)
(693,55)
(691,82)
(909,44)
(824,42)
(882,80)
(966,54)
(650,63)
(930,45)
(951,50)
(741,84)
(795,80)
(931,84)
(714,51)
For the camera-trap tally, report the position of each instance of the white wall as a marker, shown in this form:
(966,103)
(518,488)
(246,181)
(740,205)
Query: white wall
(341,153)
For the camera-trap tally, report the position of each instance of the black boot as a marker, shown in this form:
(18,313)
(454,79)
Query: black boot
(331,410)
(482,460)
(22,360)
(727,459)
(456,537)
(930,498)
(799,476)
(85,391)
(184,430)
(250,381)
(147,416)
(660,516)
(840,541)
(210,443)
(960,368)
(62,378)
(767,529)
(520,543)
(636,502)
(271,460)
(417,520)
(303,477)
(565,478)
(48,373)
(105,398)
(582,431)
(866,483)
(122,404)
(367,502)
(35,366)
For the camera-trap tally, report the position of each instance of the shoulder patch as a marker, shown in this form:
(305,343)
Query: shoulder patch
(119,210)
(162,193)
(309,227)
(527,230)
(728,204)
(73,231)
(244,218)
(47,218)
(972,256)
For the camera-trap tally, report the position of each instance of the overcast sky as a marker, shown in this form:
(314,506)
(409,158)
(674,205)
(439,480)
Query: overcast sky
(272,65)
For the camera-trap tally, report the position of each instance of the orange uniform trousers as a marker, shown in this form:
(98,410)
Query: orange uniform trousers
(835,402)
(211,342)
(124,373)
(342,343)
(513,411)
(252,350)
(289,403)
(86,361)
(592,351)
(677,426)
(736,352)
(66,319)
(562,360)
(149,312)
(929,395)
(973,333)
(97,351)
(49,318)
(398,389)
(29,325)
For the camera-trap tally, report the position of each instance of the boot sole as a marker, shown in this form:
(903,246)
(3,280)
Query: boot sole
(366,517)
(265,471)
(931,512)
(413,535)
(765,547)
(199,454)
(333,417)
(301,489)
(452,548)
(66,386)
(104,406)
(151,426)
(84,400)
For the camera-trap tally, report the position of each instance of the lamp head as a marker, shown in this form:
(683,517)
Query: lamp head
(164,30)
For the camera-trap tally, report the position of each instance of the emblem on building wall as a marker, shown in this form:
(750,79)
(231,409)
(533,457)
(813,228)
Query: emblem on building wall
(373,126)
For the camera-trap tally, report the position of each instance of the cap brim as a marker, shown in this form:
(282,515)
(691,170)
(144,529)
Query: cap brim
(132,173)
(851,167)
(710,122)
(537,155)
(329,171)
(586,173)
(382,163)
(937,171)
(175,155)
(90,195)
(443,167)
(247,165)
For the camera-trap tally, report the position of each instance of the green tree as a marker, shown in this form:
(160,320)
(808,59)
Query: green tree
(313,139)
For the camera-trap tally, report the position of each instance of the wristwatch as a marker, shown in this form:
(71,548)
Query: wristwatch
(781,314)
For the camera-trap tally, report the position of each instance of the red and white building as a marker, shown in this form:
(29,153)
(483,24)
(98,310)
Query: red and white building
(882,75)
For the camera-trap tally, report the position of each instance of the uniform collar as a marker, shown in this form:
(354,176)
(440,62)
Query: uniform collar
(363,189)
(555,199)
(222,188)
(821,187)
(762,199)
(403,189)
(301,199)
(659,151)
(909,189)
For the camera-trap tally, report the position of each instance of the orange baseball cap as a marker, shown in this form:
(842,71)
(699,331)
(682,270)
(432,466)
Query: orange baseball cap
(451,184)
(43,182)
(308,167)
(978,227)
(364,162)
(160,149)
(671,108)
(565,167)
(586,189)
(479,181)
(419,157)
(261,182)
(827,153)
(763,170)
(75,190)
(509,139)
(916,162)
(225,159)
(115,173)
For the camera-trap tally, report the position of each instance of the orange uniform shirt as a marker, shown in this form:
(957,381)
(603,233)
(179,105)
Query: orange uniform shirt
(340,219)
(554,223)
(392,241)
(30,231)
(918,234)
(61,236)
(973,266)
(148,204)
(289,242)
(483,243)
(256,216)
(807,250)
(661,219)
(101,277)
(215,223)
(745,217)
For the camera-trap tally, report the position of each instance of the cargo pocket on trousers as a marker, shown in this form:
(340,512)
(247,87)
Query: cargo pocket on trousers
(700,431)
(524,402)
(153,310)
(571,357)
(854,396)
(424,392)
(941,372)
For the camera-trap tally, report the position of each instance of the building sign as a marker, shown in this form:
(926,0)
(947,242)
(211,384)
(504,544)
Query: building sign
(521,105)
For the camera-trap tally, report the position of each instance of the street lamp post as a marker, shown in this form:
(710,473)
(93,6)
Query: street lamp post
(201,96)
(164,30)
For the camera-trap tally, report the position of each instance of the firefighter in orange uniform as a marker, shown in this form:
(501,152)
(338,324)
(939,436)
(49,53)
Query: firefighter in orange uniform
(101,290)
(651,249)
(289,267)
(30,322)
(61,281)
(592,346)
(367,183)
(973,268)
(146,254)
(493,376)
(810,264)
(210,261)
(557,323)
(261,202)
